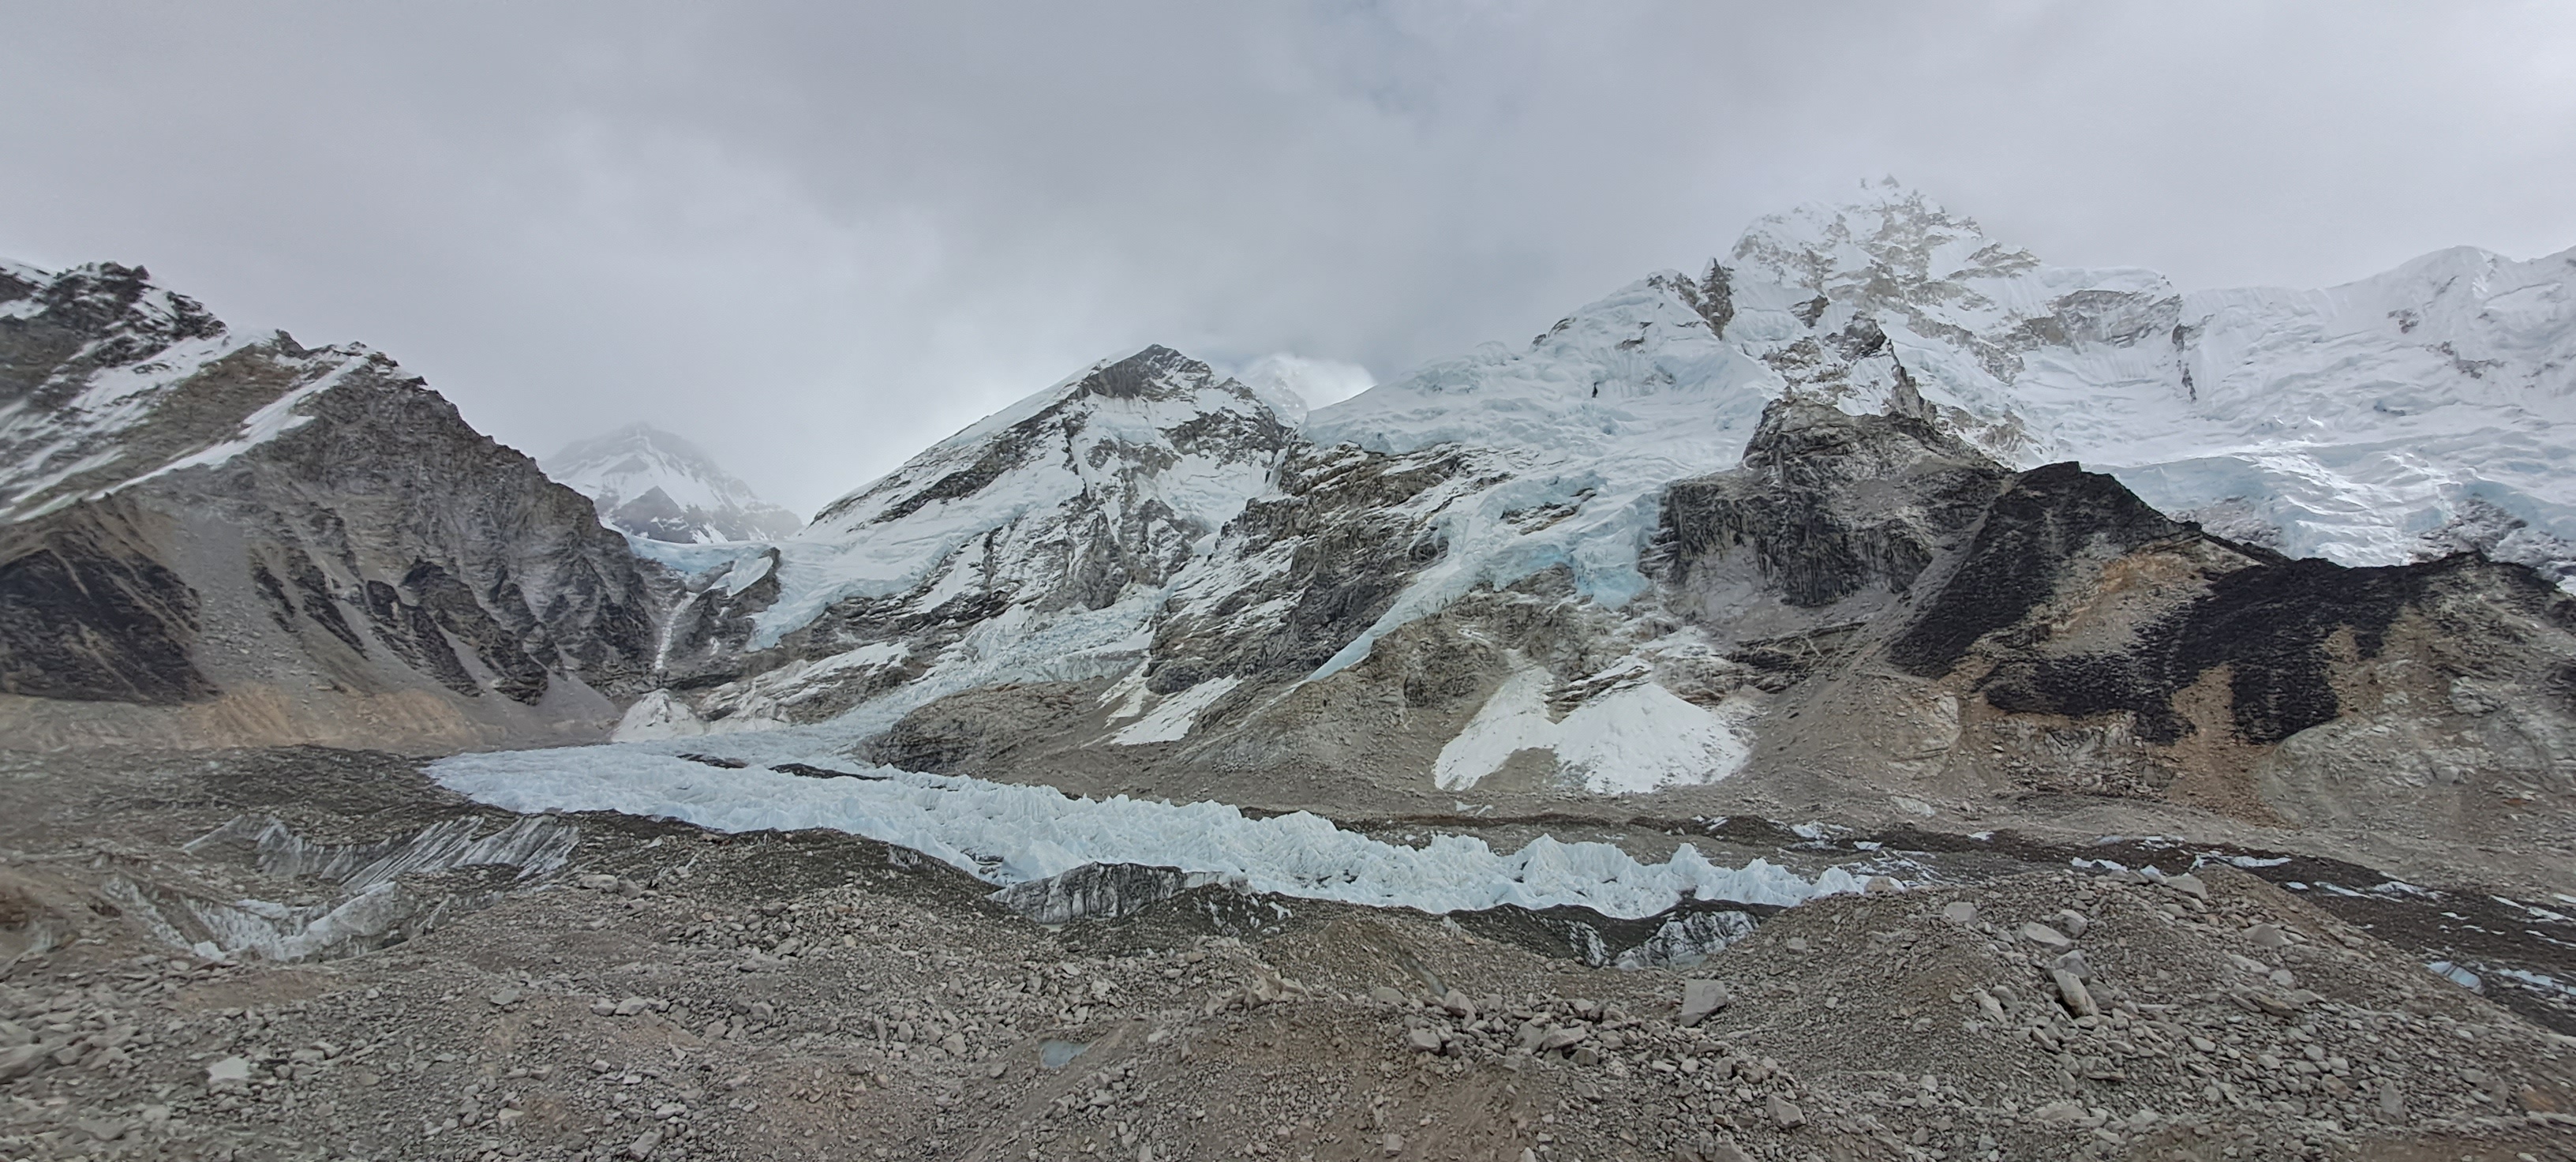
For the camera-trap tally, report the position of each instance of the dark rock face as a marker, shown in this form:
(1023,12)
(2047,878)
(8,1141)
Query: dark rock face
(87,613)
(1341,519)
(1828,504)
(2030,542)
(1134,376)
(2274,627)
(447,535)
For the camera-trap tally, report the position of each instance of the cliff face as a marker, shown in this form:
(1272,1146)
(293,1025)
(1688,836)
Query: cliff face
(212,539)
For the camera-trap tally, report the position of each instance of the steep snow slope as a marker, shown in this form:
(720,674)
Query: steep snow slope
(650,483)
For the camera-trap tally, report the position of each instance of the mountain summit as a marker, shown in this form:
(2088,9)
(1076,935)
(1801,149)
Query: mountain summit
(649,483)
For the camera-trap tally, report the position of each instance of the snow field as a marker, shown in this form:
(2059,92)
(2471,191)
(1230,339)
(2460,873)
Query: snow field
(1632,740)
(1007,834)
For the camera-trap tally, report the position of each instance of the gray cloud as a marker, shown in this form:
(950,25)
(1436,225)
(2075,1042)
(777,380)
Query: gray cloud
(818,237)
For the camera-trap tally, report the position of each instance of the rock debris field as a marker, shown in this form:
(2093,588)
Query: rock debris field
(648,990)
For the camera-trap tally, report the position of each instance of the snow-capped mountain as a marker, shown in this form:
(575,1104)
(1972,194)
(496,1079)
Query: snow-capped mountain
(216,538)
(2342,423)
(1799,526)
(1700,530)
(1038,543)
(649,483)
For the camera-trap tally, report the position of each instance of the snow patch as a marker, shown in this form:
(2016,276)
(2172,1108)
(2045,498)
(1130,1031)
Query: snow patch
(1632,740)
(1512,720)
(1170,721)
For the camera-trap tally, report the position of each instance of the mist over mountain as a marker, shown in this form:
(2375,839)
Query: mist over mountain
(650,483)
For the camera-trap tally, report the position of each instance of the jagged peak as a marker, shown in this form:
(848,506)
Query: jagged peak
(1155,370)
(132,317)
(1891,232)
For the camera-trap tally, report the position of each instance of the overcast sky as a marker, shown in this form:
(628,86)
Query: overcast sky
(818,237)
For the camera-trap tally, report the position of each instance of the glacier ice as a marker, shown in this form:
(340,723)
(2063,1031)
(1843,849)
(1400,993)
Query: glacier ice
(1007,834)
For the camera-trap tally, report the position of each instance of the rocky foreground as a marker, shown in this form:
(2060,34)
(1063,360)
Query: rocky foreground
(603,987)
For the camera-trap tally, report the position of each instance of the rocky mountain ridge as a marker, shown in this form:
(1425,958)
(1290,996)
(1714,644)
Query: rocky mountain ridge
(212,538)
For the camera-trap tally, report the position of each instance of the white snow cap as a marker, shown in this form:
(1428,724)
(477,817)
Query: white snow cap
(699,502)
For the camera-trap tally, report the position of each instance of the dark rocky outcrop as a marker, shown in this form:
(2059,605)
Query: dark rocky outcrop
(2048,523)
(88,612)
(1827,504)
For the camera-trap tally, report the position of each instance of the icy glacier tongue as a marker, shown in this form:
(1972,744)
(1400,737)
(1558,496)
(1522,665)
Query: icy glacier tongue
(649,483)
(1009,834)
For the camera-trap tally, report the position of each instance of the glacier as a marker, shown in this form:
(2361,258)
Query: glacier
(1006,834)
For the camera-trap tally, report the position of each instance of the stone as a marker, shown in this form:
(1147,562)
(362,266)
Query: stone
(954,1044)
(2283,978)
(642,1147)
(1701,998)
(1881,886)
(1393,1144)
(2266,936)
(2063,1112)
(1564,1037)
(1458,1005)
(103,1129)
(20,1060)
(598,883)
(228,1072)
(2392,1102)
(2074,923)
(1422,1040)
(2070,989)
(1785,1113)
(630,1006)
(1961,912)
(1795,944)
(2046,937)
(2189,885)
(2073,962)
(1386,996)
(13,1034)
(504,998)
